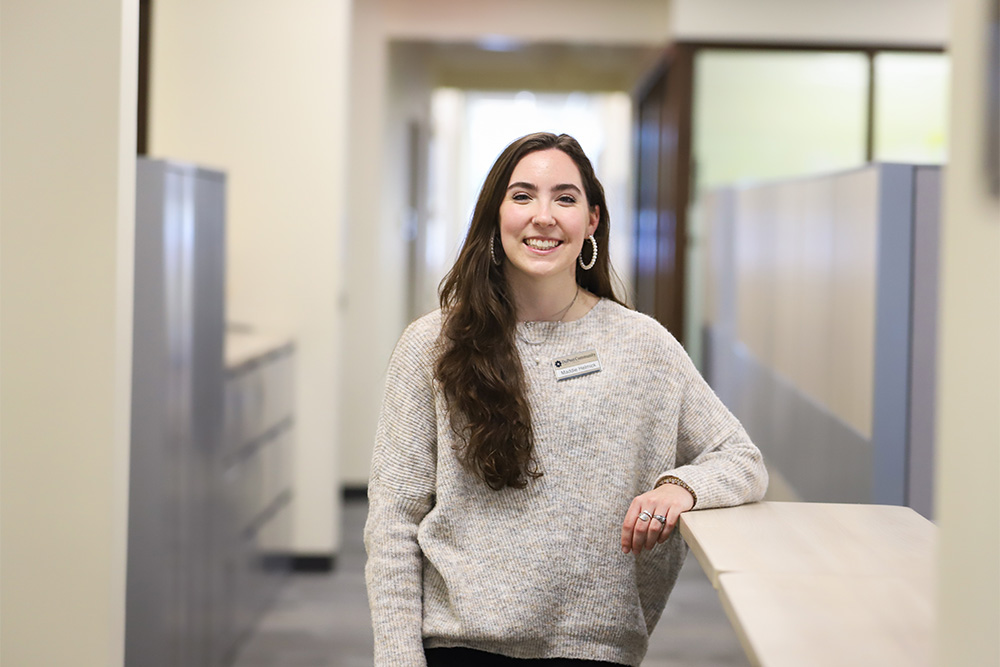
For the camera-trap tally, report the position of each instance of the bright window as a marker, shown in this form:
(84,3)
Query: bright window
(911,107)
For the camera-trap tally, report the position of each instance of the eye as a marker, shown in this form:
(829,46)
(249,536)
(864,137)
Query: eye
(567,199)
(520,197)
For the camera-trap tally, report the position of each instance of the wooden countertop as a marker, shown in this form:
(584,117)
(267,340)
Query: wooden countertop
(799,620)
(821,584)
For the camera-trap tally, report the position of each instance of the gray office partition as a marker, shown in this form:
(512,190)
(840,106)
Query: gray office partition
(893,324)
(923,332)
(177,415)
(867,264)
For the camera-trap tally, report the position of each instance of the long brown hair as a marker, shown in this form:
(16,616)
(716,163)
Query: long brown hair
(479,368)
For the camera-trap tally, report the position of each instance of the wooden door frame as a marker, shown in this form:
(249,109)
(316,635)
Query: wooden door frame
(671,82)
(142,103)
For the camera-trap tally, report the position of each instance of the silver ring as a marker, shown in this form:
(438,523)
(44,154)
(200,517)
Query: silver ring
(662,519)
(645,516)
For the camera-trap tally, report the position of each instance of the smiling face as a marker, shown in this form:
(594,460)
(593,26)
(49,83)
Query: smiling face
(544,218)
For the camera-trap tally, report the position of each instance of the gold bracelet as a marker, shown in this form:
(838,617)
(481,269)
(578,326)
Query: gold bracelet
(670,479)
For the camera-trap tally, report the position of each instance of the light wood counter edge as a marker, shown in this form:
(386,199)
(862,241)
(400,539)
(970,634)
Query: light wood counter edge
(699,552)
(713,576)
(748,648)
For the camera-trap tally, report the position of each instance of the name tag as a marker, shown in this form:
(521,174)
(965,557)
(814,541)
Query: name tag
(576,365)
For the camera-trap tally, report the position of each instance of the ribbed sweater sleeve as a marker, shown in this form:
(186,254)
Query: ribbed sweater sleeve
(715,456)
(401,492)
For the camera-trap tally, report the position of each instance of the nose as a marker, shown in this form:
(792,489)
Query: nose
(543,218)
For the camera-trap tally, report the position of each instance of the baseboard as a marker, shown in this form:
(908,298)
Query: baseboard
(276,562)
(313,564)
(352,493)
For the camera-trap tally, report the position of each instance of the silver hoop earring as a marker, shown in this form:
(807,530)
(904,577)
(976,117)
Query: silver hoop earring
(593,257)
(493,256)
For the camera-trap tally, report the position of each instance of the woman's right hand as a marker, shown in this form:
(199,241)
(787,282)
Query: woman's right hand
(662,508)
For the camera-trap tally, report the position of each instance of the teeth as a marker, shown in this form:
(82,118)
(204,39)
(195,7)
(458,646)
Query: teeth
(539,244)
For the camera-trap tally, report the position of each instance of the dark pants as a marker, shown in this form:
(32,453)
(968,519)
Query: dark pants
(467,657)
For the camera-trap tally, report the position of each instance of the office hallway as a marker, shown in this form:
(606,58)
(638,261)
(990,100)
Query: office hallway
(322,620)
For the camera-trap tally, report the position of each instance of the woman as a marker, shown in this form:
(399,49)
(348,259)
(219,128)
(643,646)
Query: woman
(537,441)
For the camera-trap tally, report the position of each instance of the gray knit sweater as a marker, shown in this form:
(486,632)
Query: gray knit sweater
(539,572)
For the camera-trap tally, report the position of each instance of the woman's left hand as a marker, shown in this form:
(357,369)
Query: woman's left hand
(662,507)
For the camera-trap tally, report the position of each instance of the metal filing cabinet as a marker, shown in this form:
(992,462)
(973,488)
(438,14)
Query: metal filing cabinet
(256,473)
(212,437)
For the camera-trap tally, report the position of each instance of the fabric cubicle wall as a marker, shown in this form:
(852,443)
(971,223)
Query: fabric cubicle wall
(819,327)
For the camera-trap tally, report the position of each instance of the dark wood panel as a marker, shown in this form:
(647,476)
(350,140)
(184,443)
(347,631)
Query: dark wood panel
(647,200)
(142,106)
(664,181)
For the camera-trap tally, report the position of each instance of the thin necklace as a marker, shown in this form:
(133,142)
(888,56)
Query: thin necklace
(562,315)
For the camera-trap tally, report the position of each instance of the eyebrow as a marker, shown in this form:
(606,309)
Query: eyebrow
(562,187)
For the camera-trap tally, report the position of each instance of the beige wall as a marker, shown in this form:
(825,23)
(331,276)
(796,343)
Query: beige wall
(968,418)
(374,293)
(67,209)
(398,79)
(915,22)
(258,89)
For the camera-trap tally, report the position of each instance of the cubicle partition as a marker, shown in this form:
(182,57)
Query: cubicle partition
(212,434)
(177,415)
(819,327)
